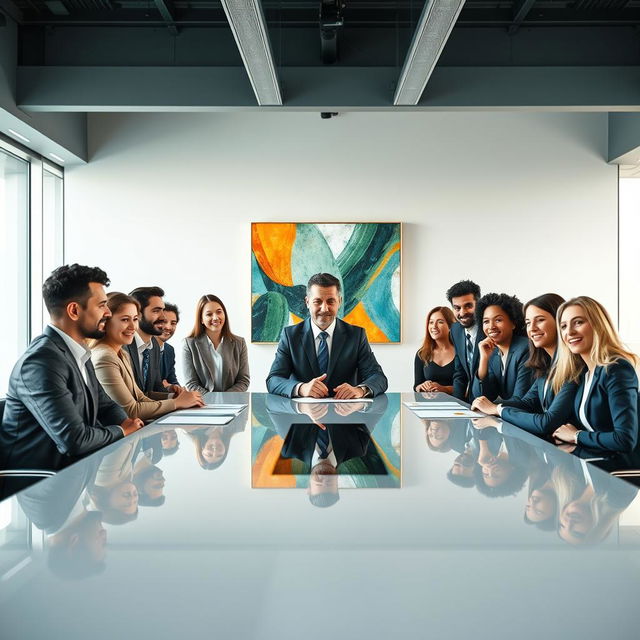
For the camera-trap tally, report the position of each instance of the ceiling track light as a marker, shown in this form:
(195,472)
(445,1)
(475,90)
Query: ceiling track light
(434,28)
(15,134)
(249,28)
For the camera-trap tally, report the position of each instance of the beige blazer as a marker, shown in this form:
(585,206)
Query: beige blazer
(199,368)
(115,374)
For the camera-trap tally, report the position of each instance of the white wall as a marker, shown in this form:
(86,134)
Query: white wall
(521,203)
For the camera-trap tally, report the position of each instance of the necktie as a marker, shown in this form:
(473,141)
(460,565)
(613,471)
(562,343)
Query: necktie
(145,366)
(323,443)
(469,351)
(323,353)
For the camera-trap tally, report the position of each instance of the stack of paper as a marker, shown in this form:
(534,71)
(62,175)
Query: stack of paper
(445,409)
(209,415)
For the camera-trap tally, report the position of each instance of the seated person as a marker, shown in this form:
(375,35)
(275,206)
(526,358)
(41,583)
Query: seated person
(592,355)
(214,359)
(502,372)
(324,355)
(115,372)
(167,352)
(434,362)
(56,412)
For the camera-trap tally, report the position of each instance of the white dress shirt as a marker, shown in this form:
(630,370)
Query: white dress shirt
(217,365)
(79,352)
(588,382)
(142,346)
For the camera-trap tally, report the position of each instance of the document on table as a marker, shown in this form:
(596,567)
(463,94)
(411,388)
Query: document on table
(330,400)
(441,410)
(209,421)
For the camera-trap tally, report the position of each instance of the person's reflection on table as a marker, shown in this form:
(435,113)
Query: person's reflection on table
(503,463)
(541,508)
(113,491)
(149,481)
(211,444)
(76,540)
(169,441)
(590,502)
(436,433)
(461,472)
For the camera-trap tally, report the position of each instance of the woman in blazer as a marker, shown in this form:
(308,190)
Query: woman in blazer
(214,359)
(502,372)
(433,365)
(113,366)
(592,355)
(540,411)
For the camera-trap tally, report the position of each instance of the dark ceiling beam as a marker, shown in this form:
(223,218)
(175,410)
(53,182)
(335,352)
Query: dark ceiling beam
(96,89)
(12,10)
(168,13)
(520,12)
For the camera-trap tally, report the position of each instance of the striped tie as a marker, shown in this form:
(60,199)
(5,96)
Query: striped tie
(323,352)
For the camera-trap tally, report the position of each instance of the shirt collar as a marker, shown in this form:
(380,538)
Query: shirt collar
(472,331)
(79,351)
(317,330)
(141,345)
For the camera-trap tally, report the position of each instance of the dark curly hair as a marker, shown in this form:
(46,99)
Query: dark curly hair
(144,294)
(70,283)
(168,306)
(463,288)
(509,304)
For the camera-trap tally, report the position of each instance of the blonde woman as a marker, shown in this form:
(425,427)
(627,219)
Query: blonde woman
(114,370)
(434,362)
(591,354)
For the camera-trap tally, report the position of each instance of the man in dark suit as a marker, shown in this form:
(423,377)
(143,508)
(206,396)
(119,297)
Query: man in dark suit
(465,335)
(56,411)
(325,356)
(168,354)
(145,349)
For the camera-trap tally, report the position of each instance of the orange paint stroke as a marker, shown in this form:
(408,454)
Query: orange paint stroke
(263,471)
(381,266)
(272,244)
(360,318)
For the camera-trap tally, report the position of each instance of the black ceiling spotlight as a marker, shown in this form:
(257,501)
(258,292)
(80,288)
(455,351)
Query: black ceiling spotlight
(330,21)
(326,115)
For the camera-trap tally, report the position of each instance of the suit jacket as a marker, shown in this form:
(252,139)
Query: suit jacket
(115,374)
(154,379)
(540,413)
(517,378)
(168,364)
(463,376)
(351,360)
(199,367)
(611,410)
(52,418)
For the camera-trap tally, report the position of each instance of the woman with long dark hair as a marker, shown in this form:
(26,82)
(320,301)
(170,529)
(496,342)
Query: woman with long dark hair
(434,362)
(214,359)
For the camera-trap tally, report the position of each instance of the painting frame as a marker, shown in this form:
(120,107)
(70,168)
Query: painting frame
(365,256)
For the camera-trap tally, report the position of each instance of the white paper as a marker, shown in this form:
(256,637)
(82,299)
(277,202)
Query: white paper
(449,413)
(191,420)
(330,400)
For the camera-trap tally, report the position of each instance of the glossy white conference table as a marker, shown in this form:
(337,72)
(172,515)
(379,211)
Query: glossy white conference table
(212,556)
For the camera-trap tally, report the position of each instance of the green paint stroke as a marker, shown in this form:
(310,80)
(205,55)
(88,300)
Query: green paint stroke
(269,316)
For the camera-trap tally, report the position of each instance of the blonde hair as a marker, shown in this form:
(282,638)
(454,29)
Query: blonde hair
(425,353)
(606,349)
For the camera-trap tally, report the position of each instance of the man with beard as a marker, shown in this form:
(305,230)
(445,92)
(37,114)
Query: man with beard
(145,349)
(168,355)
(325,356)
(56,411)
(465,336)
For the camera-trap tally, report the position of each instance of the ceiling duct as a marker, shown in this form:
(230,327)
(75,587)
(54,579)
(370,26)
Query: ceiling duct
(331,21)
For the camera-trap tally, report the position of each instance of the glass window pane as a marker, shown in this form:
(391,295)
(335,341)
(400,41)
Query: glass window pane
(14,261)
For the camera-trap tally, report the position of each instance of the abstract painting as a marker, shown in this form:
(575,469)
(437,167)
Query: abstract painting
(364,256)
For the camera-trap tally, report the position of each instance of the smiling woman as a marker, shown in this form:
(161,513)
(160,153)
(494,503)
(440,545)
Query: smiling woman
(434,362)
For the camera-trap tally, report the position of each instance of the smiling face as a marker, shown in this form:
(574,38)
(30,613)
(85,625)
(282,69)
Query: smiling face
(123,325)
(497,325)
(541,328)
(541,505)
(576,330)
(323,304)
(437,326)
(213,450)
(92,318)
(213,317)
(169,326)
(124,498)
(576,521)
(464,308)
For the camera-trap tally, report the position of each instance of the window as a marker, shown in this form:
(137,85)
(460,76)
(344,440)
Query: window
(31,246)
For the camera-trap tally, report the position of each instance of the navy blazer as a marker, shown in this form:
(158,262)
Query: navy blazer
(351,360)
(51,417)
(462,376)
(538,413)
(168,364)
(611,409)
(154,379)
(517,378)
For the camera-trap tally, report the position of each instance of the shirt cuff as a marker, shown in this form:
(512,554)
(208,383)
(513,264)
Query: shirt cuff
(499,408)
(367,391)
(296,390)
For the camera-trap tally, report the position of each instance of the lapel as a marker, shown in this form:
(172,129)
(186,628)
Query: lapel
(133,353)
(203,343)
(94,392)
(337,344)
(308,344)
(130,381)
(59,342)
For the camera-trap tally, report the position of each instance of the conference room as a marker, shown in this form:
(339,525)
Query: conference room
(153,141)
